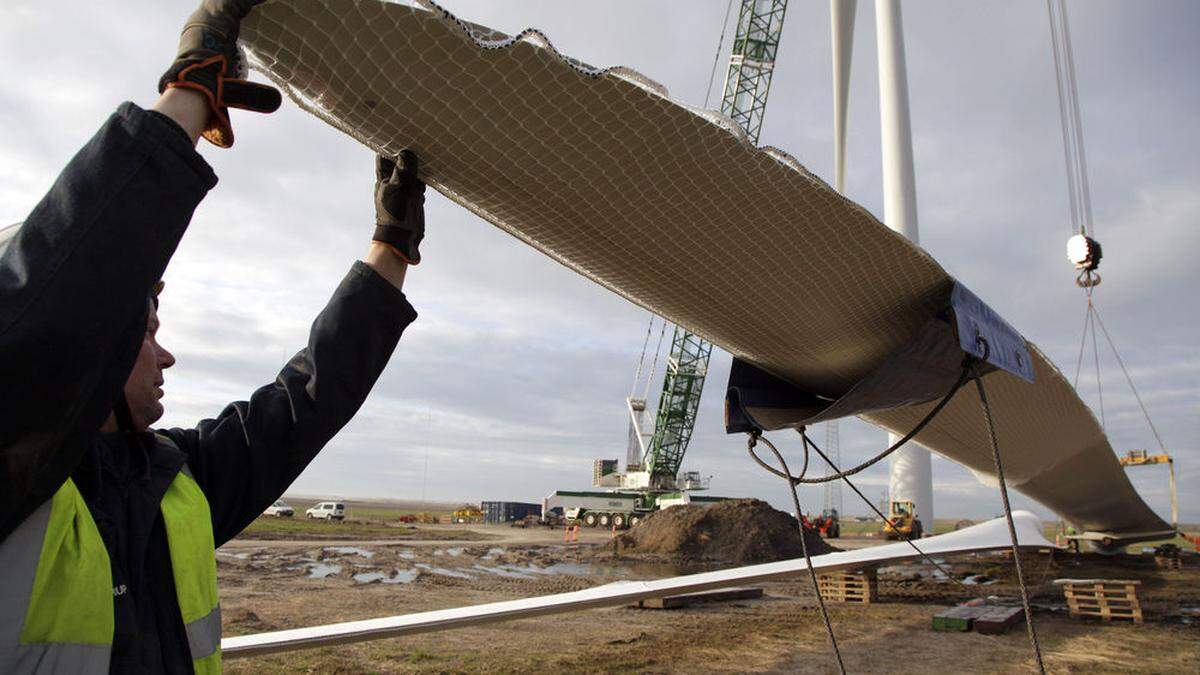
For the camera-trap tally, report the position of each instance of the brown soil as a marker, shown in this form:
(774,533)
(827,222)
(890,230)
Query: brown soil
(270,587)
(741,531)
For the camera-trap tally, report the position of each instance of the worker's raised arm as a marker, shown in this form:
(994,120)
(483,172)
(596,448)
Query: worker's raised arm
(249,455)
(76,275)
(74,279)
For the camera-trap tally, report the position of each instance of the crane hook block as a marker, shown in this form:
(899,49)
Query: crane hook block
(1084,252)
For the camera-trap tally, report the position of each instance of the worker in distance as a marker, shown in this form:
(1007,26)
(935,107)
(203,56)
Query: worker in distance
(108,527)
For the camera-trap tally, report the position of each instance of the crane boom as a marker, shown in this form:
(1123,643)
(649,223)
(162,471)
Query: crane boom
(747,83)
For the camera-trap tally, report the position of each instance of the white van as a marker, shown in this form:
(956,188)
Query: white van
(279,509)
(328,511)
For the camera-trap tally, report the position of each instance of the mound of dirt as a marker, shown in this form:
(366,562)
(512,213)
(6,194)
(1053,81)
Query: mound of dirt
(737,531)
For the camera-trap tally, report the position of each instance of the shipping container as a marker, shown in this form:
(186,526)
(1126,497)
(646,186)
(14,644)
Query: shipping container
(507,512)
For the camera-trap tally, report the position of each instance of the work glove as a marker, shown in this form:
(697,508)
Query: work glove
(399,205)
(208,62)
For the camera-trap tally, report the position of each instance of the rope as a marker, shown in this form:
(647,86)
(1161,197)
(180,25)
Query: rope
(1087,319)
(908,540)
(1064,117)
(1085,190)
(1012,529)
(1089,326)
(1096,358)
(1072,126)
(812,572)
(1145,412)
(717,57)
(962,379)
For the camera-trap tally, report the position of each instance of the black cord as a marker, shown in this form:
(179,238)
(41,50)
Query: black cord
(1012,530)
(801,480)
(908,540)
(812,572)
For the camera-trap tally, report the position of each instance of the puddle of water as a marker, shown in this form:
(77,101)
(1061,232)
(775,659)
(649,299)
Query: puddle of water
(452,552)
(403,577)
(350,550)
(457,574)
(502,572)
(397,577)
(978,579)
(322,570)
(406,555)
(492,553)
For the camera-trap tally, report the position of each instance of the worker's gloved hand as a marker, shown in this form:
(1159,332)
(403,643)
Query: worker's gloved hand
(208,62)
(399,205)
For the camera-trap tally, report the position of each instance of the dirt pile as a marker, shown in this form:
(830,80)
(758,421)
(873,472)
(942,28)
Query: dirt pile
(736,531)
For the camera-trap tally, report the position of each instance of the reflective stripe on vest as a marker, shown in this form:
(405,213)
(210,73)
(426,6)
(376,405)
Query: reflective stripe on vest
(56,592)
(194,565)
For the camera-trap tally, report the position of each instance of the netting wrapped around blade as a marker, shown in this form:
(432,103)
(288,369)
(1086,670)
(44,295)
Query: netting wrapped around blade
(619,183)
(671,208)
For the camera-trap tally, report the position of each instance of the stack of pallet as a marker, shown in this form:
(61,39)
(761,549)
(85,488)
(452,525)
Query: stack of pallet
(1107,599)
(860,587)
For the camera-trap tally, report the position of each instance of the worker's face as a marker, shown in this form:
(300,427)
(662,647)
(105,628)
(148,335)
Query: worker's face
(143,389)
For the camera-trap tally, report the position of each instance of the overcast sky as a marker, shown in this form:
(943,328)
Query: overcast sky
(513,379)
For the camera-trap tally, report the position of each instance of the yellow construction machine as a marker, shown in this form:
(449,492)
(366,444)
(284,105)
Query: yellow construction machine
(468,514)
(902,521)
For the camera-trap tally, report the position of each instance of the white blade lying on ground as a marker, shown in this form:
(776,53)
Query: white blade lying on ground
(991,535)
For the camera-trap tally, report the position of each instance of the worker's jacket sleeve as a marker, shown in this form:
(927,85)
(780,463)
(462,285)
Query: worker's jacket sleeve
(249,455)
(74,283)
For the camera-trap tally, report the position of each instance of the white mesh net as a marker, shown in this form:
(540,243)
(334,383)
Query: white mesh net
(669,207)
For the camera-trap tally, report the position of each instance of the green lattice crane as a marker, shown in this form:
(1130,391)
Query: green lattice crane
(652,479)
(747,83)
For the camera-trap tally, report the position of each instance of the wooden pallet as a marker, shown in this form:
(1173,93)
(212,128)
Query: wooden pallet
(858,587)
(687,599)
(1107,599)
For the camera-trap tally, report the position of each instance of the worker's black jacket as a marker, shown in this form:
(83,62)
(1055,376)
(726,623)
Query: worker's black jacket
(73,288)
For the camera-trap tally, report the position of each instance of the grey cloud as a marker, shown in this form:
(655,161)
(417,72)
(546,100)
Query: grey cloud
(514,376)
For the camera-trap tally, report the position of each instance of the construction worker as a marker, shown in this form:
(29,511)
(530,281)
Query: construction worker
(108,528)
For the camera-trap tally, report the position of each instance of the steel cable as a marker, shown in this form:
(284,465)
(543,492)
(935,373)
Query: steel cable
(1012,529)
(1121,362)
(717,57)
(908,540)
(812,572)
(962,379)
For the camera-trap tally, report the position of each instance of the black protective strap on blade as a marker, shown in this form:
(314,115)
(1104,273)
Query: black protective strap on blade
(917,372)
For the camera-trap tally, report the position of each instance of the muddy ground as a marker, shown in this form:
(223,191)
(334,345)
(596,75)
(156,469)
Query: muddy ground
(272,585)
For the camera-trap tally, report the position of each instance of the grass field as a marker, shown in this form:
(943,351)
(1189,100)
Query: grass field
(362,522)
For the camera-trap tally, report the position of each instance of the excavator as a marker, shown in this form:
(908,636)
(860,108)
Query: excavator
(902,521)
(469,513)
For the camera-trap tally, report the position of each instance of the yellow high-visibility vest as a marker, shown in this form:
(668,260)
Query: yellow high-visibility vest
(56,593)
